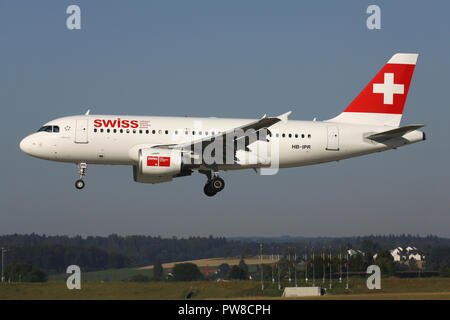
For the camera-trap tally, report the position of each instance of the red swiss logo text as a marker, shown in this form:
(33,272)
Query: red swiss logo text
(118,123)
(154,161)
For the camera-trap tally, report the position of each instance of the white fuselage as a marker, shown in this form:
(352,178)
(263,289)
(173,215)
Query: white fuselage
(80,139)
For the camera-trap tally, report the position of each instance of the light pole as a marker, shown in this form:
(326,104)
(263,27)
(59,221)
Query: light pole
(330,268)
(306,265)
(313,269)
(346,286)
(262,277)
(3,259)
(278,256)
(295,265)
(289,264)
(273,274)
(323,264)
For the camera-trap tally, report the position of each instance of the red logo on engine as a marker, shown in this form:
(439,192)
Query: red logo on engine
(153,161)
(164,161)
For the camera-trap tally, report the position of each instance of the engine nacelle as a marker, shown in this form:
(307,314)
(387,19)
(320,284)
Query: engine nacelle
(157,165)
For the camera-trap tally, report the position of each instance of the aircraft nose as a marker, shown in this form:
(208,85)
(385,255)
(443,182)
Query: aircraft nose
(25,145)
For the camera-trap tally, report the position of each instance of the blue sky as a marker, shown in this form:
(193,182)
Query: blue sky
(224,59)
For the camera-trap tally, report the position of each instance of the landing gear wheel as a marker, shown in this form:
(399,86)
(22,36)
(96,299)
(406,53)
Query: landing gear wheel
(79,184)
(214,183)
(208,190)
(218,184)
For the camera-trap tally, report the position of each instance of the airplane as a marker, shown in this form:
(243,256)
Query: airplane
(160,149)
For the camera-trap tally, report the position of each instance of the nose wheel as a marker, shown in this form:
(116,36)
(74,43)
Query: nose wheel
(79,184)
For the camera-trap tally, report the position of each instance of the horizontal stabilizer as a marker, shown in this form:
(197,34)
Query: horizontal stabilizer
(394,133)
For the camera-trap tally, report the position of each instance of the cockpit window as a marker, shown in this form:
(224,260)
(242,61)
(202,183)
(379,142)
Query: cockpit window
(46,129)
(49,129)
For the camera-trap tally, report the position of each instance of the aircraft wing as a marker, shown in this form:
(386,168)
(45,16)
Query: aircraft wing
(238,133)
(394,133)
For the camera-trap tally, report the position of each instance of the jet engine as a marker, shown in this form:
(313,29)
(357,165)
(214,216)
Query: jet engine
(159,165)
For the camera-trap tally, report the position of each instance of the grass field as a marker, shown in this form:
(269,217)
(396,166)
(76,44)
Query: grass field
(113,275)
(215,262)
(419,288)
(125,274)
(114,284)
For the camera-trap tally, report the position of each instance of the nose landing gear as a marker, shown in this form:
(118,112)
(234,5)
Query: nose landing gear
(79,184)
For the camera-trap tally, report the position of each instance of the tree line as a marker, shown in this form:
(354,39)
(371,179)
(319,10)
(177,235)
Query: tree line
(54,253)
(56,258)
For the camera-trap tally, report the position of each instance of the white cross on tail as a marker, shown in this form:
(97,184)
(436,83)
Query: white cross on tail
(388,88)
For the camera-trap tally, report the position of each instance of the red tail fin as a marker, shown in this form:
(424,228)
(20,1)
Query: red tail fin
(383,99)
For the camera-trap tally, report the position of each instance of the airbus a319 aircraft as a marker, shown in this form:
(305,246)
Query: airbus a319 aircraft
(162,148)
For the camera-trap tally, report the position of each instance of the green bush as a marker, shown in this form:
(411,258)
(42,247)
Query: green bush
(186,272)
(445,272)
(23,272)
(139,278)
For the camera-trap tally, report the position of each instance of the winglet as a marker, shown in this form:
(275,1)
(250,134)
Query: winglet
(284,116)
(87,112)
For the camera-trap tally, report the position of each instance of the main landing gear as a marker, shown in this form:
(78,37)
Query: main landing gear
(79,184)
(214,184)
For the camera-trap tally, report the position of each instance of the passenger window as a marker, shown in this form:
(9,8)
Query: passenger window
(108,130)
(167,131)
(303,135)
(115,130)
(101,130)
(153,131)
(146,131)
(134,130)
(309,136)
(176,131)
(283,135)
(296,135)
(121,130)
(95,130)
(290,135)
